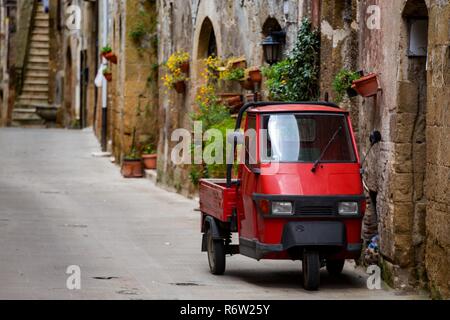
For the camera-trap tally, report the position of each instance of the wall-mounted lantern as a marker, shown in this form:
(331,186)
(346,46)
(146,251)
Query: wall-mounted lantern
(273,45)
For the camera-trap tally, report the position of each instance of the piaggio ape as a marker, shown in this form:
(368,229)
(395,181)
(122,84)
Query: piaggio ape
(302,198)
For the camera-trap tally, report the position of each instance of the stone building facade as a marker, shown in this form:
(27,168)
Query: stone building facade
(407,175)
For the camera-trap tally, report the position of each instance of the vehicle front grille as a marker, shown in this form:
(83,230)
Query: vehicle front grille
(316,210)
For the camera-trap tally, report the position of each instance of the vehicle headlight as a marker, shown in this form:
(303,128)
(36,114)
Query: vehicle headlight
(348,208)
(282,208)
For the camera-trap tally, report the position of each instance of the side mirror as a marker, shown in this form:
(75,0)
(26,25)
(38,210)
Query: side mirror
(375,138)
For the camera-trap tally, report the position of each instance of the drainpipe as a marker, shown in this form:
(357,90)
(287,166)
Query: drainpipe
(105,19)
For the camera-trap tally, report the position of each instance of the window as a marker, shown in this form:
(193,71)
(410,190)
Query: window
(418,37)
(303,138)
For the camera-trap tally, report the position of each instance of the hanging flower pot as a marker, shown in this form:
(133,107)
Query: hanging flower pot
(106,50)
(132,168)
(108,76)
(367,86)
(180,87)
(185,67)
(111,57)
(237,63)
(255,76)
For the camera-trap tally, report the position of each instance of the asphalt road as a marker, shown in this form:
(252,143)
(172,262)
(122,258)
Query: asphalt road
(60,206)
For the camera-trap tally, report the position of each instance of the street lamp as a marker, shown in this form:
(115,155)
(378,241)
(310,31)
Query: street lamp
(272,46)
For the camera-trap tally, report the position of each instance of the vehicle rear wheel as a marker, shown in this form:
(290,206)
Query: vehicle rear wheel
(311,270)
(216,255)
(335,267)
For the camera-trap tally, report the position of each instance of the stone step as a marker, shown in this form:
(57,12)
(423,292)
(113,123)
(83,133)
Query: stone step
(26,115)
(38,31)
(32,102)
(38,66)
(39,52)
(35,88)
(35,81)
(38,93)
(42,74)
(40,14)
(40,38)
(32,96)
(38,59)
(39,45)
(42,23)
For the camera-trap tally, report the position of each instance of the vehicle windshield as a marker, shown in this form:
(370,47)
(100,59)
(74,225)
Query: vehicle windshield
(304,137)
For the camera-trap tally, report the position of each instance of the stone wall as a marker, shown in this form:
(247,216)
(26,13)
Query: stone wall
(437,257)
(133,94)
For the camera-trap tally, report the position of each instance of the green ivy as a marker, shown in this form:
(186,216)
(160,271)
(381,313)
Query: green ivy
(342,82)
(297,77)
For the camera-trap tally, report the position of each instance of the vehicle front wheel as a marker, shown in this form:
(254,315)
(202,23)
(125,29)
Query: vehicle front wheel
(311,270)
(216,255)
(335,267)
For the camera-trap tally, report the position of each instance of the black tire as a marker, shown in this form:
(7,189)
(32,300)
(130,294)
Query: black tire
(335,267)
(311,270)
(216,255)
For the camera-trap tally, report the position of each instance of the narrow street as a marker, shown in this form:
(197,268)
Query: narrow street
(60,206)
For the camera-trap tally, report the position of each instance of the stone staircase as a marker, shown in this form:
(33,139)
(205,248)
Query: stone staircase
(35,91)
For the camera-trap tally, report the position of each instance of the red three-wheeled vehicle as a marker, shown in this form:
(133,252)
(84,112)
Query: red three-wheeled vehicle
(298,193)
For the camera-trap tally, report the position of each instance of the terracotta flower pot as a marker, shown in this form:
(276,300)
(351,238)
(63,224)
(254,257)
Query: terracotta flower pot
(255,76)
(104,54)
(132,168)
(239,64)
(185,67)
(247,85)
(108,76)
(111,57)
(150,161)
(367,86)
(180,87)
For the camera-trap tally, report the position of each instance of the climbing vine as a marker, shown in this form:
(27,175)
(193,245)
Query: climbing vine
(297,77)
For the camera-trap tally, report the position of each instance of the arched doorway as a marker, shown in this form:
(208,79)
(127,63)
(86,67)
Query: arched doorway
(207,45)
(410,201)
(68,89)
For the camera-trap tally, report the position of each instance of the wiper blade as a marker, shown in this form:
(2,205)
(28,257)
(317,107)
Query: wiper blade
(316,164)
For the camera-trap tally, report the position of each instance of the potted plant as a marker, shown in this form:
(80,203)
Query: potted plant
(108,54)
(367,86)
(106,50)
(178,67)
(236,74)
(149,157)
(237,63)
(132,163)
(255,75)
(343,82)
(107,74)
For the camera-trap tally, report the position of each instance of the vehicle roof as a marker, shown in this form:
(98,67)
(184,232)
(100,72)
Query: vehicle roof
(296,108)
